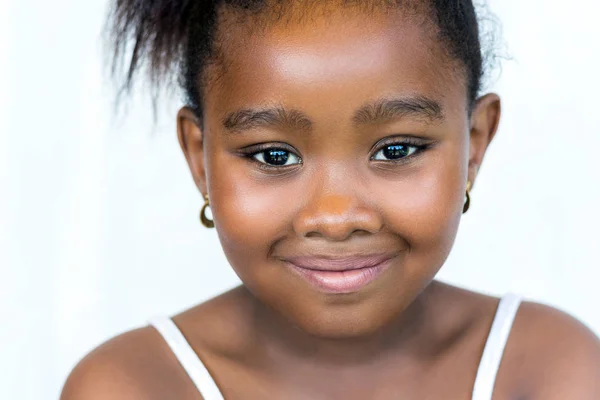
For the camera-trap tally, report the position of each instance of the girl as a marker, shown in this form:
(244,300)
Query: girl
(335,143)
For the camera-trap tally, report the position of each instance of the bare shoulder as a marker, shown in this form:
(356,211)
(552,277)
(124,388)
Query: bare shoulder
(139,364)
(554,354)
(549,354)
(134,365)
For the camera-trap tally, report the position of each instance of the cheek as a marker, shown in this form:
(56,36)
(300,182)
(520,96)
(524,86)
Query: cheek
(426,208)
(250,212)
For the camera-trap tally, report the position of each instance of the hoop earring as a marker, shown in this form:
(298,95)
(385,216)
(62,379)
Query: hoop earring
(468,198)
(203,218)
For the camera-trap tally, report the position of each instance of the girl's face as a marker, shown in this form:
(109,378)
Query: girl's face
(336,154)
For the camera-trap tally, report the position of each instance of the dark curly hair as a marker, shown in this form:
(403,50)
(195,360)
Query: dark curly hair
(176,39)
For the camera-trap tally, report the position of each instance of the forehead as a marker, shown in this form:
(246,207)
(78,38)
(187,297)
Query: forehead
(334,60)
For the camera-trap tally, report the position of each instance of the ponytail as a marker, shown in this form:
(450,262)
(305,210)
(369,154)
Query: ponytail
(160,37)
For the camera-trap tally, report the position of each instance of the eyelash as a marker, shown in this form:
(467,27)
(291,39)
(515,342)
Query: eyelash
(252,151)
(418,144)
(410,142)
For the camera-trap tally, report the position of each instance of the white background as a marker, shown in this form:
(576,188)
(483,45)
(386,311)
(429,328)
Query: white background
(98,215)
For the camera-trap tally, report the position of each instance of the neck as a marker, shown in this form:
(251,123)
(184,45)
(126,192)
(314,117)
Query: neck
(282,343)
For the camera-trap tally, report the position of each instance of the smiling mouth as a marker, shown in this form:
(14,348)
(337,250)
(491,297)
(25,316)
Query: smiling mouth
(340,275)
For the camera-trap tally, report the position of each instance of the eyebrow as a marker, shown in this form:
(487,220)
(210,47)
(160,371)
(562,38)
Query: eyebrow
(389,109)
(245,119)
(377,112)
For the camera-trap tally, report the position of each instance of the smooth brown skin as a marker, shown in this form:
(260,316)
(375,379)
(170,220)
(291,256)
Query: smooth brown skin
(403,336)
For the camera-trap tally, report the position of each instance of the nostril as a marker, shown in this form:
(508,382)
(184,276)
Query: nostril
(313,235)
(362,232)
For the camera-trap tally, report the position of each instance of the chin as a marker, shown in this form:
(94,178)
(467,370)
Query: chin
(344,317)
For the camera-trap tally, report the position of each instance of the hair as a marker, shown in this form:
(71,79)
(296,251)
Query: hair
(175,40)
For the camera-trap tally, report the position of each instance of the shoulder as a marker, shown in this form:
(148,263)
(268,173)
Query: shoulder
(554,355)
(549,354)
(134,365)
(139,364)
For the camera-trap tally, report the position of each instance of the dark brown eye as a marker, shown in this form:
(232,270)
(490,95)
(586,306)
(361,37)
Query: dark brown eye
(394,152)
(277,157)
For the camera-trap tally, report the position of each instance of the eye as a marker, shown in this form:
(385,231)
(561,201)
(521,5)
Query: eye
(276,157)
(395,152)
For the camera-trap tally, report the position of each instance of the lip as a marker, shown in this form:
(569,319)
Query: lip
(340,274)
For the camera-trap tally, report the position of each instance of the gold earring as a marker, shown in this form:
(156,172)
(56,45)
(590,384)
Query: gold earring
(205,221)
(468,200)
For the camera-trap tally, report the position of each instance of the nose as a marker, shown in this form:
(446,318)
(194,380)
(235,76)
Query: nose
(336,217)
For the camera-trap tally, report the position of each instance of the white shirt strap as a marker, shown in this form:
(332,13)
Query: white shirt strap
(494,347)
(187,358)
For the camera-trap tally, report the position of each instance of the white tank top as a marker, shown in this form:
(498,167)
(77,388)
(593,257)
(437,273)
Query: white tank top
(484,381)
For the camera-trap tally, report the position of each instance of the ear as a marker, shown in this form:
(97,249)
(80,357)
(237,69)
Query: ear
(189,132)
(484,124)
